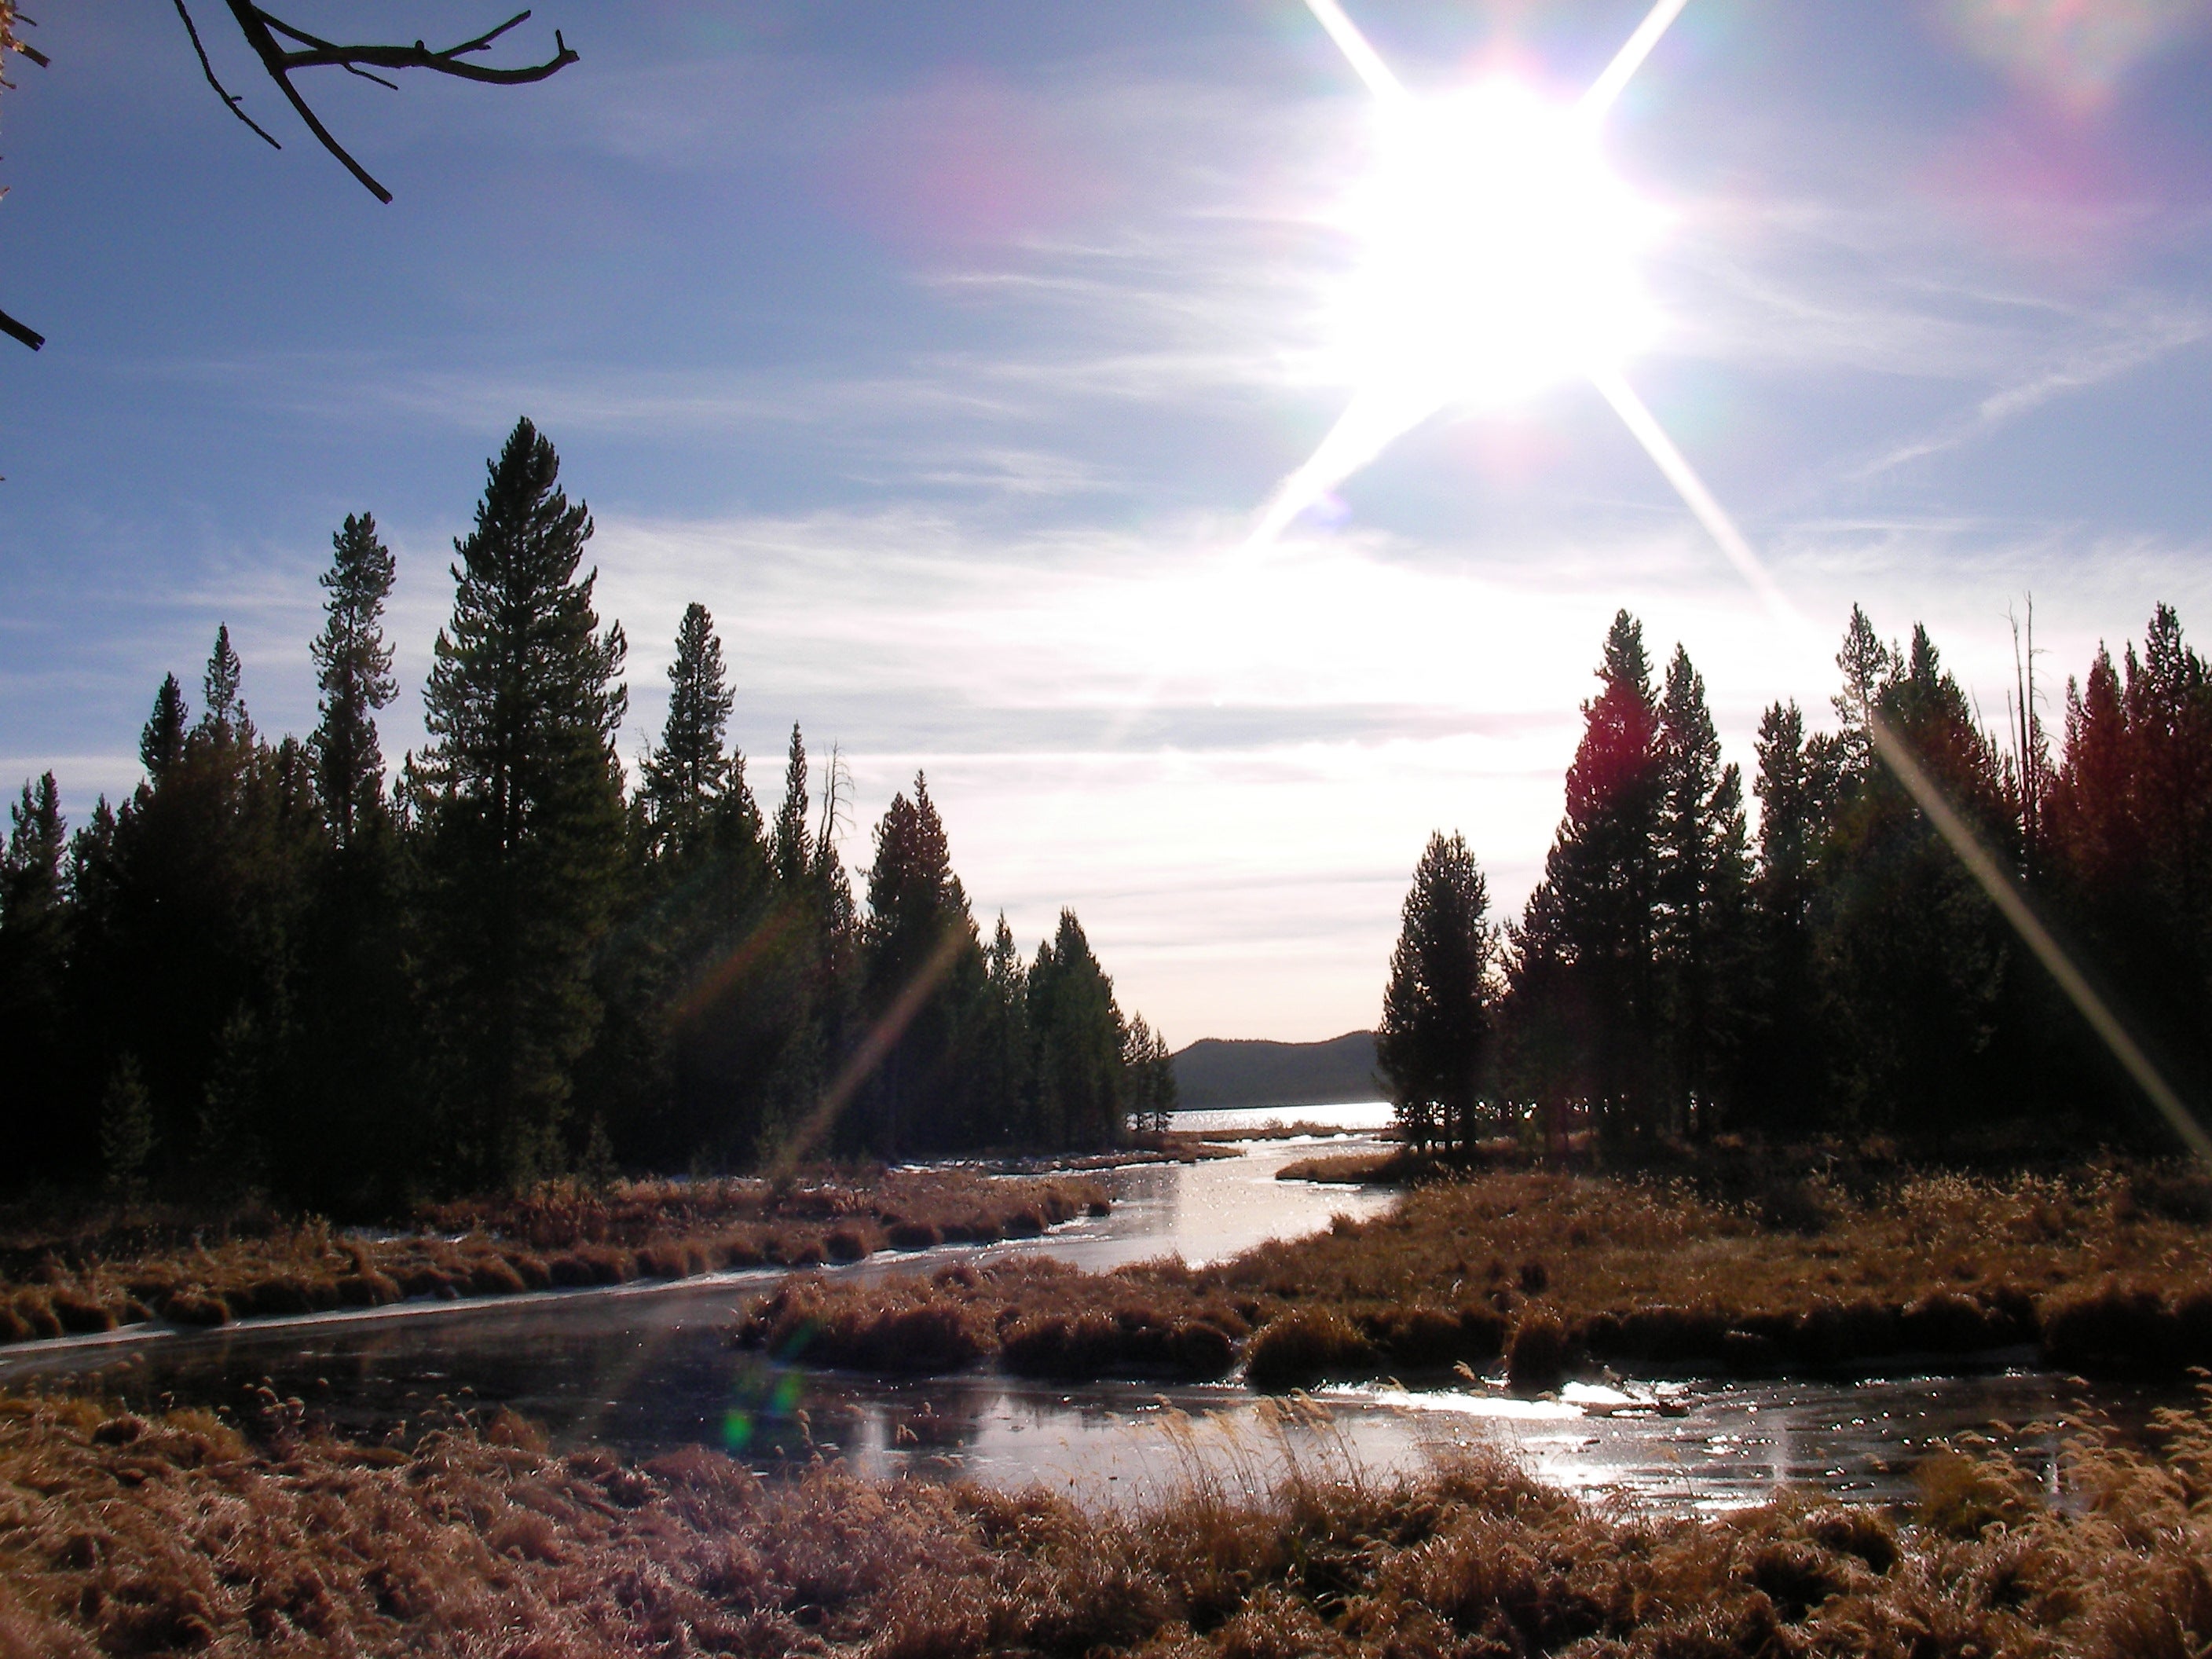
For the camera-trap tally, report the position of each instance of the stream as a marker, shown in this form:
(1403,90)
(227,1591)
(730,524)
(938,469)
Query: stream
(647,1367)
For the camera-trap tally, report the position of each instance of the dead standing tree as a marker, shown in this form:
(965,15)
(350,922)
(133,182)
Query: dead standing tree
(284,50)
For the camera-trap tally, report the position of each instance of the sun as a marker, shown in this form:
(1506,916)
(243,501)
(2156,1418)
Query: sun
(1500,254)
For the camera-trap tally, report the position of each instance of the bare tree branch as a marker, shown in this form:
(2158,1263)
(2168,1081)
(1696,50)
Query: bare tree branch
(262,30)
(10,41)
(14,330)
(231,99)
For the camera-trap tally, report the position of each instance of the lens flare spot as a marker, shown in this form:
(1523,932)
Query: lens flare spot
(2077,51)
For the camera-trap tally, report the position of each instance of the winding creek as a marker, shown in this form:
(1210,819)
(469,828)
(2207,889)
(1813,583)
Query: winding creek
(646,1367)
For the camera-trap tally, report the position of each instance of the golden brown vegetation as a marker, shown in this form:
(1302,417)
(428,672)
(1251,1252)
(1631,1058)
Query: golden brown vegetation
(124,1269)
(1366,1169)
(1036,1317)
(121,1534)
(2109,1270)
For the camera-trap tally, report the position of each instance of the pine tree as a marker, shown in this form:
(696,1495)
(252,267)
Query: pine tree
(688,772)
(921,964)
(225,719)
(30,888)
(1600,882)
(1000,1051)
(2169,698)
(1912,955)
(2129,836)
(522,707)
(1868,666)
(354,1136)
(192,911)
(1150,1071)
(1081,1087)
(1785,1065)
(2092,815)
(793,845)
(1542,1022)
(1434,1040)
(161,746)
(35,950)
(1700,884)
(353,667)
(699,978)
(126,1129)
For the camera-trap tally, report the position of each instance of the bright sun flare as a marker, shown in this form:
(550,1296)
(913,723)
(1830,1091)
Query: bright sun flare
(1499,256)
(1500,253)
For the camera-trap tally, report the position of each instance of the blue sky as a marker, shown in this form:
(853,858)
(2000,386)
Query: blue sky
(947,353)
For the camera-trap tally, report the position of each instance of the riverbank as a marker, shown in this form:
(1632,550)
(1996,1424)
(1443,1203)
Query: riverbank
(2104,1270)
(121,1532)
(101,1271)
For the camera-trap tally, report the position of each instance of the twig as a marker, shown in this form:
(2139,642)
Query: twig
(231,100)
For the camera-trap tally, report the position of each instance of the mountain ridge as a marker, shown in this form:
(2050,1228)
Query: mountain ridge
(1218,1073)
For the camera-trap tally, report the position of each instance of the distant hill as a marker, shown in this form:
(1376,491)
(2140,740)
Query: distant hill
(1213,1072)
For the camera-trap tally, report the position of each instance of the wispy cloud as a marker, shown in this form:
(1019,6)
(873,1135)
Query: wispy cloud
(2111,348)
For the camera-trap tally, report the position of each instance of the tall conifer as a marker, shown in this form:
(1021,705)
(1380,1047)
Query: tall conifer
(690,770)
(1600,878)
(522,707)
(1784,1068)
(921,965)
(793,845)
(1082,1095)
(352,668)
(162,745)
(1700,885)
(1434,1040)
(34,948)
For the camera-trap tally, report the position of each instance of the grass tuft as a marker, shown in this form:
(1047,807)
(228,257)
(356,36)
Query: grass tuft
(1305,1347)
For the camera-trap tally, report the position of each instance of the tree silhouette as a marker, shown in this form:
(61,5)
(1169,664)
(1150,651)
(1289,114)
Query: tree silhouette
(1433,1044)
(353,667)
(687,774)
(527,831)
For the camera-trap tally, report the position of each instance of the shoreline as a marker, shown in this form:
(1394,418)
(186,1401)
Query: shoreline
(642,1237)
(18,1359)
(1558,1276)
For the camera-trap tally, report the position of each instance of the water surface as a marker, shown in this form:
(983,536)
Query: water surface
(648,1368)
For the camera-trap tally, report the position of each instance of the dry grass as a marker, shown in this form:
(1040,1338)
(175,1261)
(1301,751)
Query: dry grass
(2109,1270)
(1036,1317)
(126,1534)
(1350,1169)
(109,1270)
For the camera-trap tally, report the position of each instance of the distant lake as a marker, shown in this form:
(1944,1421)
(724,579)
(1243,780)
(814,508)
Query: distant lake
(1354,1117)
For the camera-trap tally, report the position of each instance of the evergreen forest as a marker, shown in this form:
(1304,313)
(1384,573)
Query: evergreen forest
(272,971)
(1676,977)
